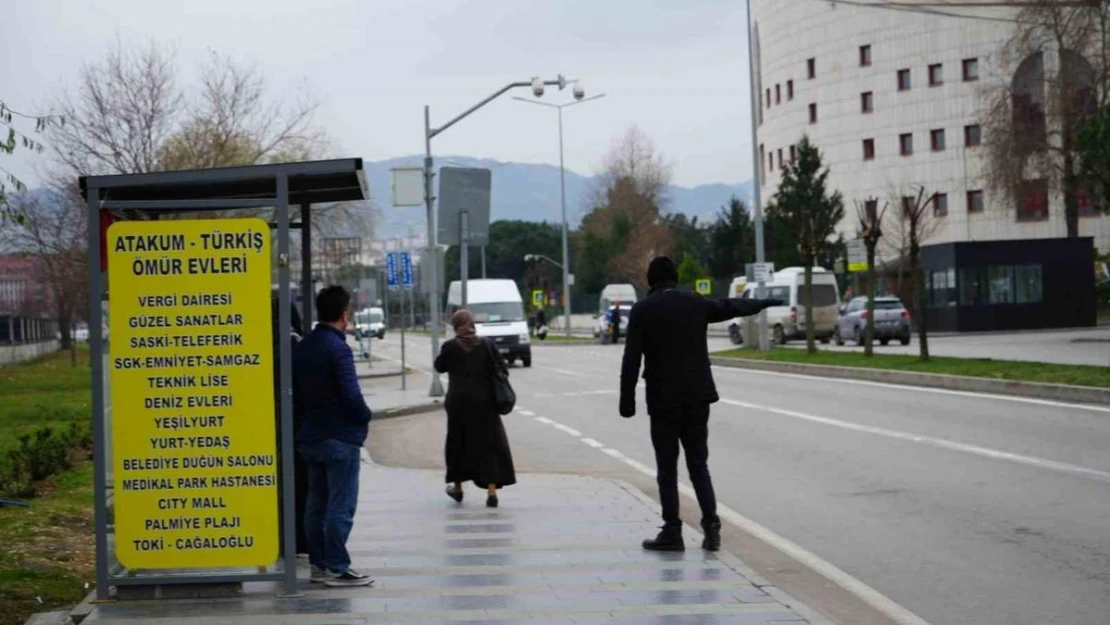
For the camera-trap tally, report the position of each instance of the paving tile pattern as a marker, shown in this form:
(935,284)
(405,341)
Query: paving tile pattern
(561,550)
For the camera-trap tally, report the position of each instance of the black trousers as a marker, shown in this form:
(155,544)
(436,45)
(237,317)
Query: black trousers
(688,425)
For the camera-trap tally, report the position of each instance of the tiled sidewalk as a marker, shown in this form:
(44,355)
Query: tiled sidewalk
(560,550)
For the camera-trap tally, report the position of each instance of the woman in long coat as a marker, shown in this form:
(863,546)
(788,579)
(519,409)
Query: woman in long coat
(477,449)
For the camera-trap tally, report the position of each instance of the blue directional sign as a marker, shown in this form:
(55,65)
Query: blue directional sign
(392,264)
(406,271)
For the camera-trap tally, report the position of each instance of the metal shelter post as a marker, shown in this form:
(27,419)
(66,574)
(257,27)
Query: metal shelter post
(288,510)
(306,269)
(96,342)
(464,253)
(433,251)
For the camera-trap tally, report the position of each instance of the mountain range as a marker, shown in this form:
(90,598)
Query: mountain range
(530,192)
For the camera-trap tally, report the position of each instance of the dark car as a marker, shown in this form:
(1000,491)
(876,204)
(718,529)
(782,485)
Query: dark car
(892,321)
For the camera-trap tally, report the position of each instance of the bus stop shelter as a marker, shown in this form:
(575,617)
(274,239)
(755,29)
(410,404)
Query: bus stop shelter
(278,189)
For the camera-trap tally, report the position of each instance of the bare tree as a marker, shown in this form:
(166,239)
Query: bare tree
(913,224)
(17,124)
(870,232)
(56,240)
(1053,74)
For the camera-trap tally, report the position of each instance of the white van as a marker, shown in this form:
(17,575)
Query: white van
(498,314)
(788,321)
(625,294)
(370,322)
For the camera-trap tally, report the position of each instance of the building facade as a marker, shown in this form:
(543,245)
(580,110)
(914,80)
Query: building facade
(895,99)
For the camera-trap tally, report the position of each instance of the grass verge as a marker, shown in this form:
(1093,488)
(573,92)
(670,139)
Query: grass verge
(49,391)
(1074,375)
(49,548)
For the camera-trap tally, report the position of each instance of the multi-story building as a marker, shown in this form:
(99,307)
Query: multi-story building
(894,95)
(21,288)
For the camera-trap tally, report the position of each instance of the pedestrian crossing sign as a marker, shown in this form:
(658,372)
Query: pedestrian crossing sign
(703,286)
(537,298)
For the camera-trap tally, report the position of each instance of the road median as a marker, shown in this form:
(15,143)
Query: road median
(1070,383)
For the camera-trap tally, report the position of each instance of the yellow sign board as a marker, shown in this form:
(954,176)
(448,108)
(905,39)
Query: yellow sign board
(192,423)
(537,298)
(703,286)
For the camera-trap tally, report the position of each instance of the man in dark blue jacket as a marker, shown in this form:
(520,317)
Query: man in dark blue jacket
(667,332)
(336,418)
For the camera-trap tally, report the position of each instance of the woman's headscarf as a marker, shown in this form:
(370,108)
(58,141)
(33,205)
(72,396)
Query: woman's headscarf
(465,332)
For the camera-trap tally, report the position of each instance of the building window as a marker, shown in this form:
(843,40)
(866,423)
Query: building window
(868,149)
(780,158)
(871,210)
(903,80)
(905,144)
(973,135)
(973,287)
(867,102)
(793,154)
(778,94)
(1028,284)
(936,75)
(941,288)
(1001,285)
(771,161)
(908,204)
(811,68)
(1033,204)
(790,89)
(768,97)
(971,70)
(975,201)
(762,165)
(936,139)
(940,205)
(813,113)
(865,56)
(1088,205)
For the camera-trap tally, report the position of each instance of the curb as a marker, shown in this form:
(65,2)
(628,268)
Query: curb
(384,374)
(404,411)
(1036,390)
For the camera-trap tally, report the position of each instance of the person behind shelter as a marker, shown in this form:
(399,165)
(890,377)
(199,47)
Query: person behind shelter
(477,448)
(336,420)
(668,332)
(300,471)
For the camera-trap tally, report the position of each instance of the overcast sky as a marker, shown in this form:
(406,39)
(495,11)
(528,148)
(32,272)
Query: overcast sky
(676,68)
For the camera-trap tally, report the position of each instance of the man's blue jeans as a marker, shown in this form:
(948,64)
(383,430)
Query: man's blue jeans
(332,498)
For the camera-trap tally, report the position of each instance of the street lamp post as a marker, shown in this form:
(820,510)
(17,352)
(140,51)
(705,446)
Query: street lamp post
(537,84)
(757,164)
(578,93)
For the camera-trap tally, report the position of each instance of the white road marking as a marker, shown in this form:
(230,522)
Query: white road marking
(923,389)
(575,394)
(573,432)
(943,443)
(545,420)
(593,443)
(527,413)
(867,594)
(573,374)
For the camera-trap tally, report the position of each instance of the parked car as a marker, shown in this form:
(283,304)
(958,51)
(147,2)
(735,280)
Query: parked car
(370,322)
(892,321)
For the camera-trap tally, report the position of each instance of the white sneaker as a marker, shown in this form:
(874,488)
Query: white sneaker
(319,575)
(349,579)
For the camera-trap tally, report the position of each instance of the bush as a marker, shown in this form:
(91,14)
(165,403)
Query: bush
(40,453)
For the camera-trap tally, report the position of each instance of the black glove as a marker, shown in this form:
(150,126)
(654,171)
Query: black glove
(628,407)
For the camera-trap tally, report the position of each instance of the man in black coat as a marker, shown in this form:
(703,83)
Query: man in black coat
(668,331)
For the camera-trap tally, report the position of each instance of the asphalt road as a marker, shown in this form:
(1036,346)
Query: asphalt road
(962,508)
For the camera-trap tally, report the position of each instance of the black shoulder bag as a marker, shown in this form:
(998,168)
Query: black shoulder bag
(503,395)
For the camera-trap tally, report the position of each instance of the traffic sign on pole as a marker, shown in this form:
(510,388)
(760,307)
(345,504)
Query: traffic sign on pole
(703,286)
(857,255)
(406,271)
(391,271)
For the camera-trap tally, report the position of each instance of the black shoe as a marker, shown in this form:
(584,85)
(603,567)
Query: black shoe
(348,579)
(712,540)
(667,540)
(455,493)
(491,501)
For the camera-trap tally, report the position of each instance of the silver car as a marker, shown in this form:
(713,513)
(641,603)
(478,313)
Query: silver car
(892,321)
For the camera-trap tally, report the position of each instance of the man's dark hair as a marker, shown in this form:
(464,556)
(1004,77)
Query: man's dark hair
(661,270)
(331,303)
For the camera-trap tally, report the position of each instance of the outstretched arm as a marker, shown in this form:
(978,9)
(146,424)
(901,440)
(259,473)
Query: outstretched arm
(725,309)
